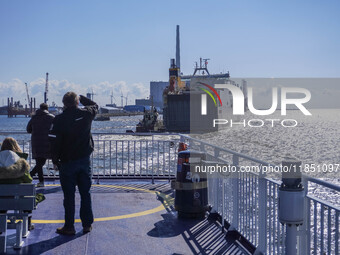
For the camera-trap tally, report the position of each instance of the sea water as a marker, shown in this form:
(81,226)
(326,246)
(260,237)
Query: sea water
(315,139)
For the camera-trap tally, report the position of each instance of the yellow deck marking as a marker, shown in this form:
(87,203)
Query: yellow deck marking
(118,217)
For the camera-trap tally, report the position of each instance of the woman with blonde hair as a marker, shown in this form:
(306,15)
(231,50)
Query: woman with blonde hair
(10,144)
(14,168)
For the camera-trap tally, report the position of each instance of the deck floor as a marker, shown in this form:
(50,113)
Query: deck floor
(131,218)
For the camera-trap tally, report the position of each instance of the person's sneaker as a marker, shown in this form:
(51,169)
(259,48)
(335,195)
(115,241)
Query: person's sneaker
(66,231)
(87,229)
(40,185)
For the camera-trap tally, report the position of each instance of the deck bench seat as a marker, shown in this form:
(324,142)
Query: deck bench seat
(16,203)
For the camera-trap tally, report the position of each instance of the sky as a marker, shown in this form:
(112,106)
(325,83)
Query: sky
(114,47)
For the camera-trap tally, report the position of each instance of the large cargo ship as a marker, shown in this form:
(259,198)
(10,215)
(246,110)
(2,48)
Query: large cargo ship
(183,110)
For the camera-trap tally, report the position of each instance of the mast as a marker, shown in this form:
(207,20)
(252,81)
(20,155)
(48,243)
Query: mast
(46,90)
(178,52)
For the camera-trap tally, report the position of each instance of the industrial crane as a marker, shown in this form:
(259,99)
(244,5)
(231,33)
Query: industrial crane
(46,90)
(28,96)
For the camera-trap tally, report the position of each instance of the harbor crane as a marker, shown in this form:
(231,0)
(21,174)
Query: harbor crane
(46,90)
(28,96)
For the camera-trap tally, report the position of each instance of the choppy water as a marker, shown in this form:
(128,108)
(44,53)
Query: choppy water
(117,124)
(315,140)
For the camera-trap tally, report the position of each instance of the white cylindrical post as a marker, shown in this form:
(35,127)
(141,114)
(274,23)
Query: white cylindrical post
(291,203)
(291,239)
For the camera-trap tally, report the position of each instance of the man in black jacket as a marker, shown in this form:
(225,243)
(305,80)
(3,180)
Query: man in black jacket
(72,147)
(39,126)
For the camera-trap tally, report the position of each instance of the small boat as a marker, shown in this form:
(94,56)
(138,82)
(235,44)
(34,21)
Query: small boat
(150,122)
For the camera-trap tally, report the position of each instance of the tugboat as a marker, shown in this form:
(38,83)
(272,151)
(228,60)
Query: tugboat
(150,122)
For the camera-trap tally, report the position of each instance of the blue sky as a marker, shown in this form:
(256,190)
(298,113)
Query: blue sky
(122,45)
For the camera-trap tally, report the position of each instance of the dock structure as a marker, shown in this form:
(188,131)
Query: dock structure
(133,205)
(15,109)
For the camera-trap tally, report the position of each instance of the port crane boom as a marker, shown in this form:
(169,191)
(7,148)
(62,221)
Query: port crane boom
(28,96)
(46,90)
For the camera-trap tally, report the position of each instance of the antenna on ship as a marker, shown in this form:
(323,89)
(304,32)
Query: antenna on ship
(202,67)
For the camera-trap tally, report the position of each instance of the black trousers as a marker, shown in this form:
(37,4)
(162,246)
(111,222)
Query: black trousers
(77,173)
(39,163)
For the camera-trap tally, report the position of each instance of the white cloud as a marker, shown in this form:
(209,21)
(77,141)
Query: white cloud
(57,88)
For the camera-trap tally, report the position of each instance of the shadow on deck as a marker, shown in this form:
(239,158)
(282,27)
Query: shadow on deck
(131,218)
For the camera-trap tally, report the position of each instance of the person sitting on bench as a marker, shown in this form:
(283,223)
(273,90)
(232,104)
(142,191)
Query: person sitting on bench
(14,169)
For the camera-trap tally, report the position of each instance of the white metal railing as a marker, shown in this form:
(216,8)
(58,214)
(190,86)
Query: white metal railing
(249,202)
(118,155)
(135,156)
(322,221)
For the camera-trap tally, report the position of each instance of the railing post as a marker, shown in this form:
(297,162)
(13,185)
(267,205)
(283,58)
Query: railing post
(291,204)
(223,204)
(261,249)
(214,190)
(3,231)
(235,183)
(304,240)
(202,147)
(216,154)
(153,180)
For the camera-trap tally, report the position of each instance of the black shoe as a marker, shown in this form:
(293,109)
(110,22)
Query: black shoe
(66,231)
(87,229)
(31,227)
(30,224)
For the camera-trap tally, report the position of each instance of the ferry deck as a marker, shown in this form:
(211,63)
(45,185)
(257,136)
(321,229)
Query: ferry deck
(131,217)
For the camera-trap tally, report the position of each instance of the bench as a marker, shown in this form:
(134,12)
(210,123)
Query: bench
(18,200)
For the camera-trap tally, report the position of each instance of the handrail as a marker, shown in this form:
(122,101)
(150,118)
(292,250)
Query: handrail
(321,201)
(230,151)
(21,132)
(321,182)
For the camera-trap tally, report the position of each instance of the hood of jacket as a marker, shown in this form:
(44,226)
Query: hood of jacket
(41,112)
(11,165)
